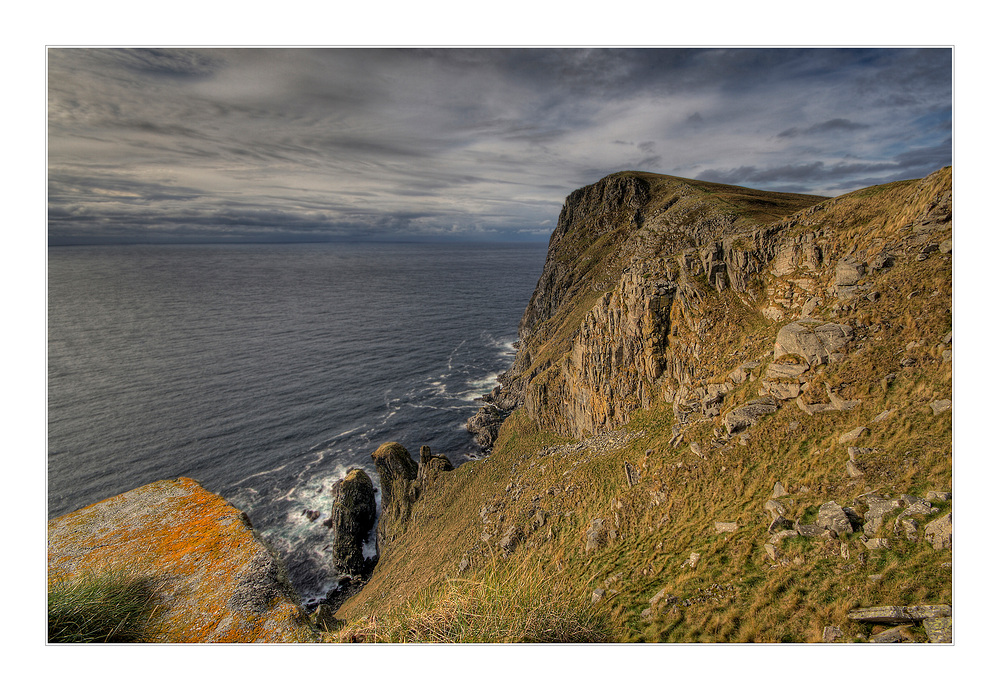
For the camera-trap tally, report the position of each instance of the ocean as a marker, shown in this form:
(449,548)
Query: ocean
(266,372)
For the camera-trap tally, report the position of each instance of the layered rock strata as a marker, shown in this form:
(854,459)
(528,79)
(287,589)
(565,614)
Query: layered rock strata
(653,285)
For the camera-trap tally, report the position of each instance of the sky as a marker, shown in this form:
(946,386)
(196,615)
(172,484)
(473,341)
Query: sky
(303,144)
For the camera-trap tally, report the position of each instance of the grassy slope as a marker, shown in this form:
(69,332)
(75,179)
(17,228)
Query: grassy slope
(734,593)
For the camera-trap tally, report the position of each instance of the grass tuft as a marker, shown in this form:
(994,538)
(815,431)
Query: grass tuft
(100,607)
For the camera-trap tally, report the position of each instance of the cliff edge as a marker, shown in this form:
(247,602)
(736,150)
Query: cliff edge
(210,579)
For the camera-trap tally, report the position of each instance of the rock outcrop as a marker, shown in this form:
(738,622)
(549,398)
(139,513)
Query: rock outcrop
(212,579)
(352,519)
(397,475)
(650,284)
(403,482)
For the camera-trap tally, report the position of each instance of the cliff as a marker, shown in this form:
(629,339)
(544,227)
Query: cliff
(208,577)
(729,420)
(690,350)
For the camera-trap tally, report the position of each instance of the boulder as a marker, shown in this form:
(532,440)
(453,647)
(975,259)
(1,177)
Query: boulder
(938,407)
(785,370)
(836,403)
(778,491)
(814,341)
(211,577)
(597,535)
(884,415)
(853,435)
(779,524)
(741,418)
(725,527)
(781,535)
(894,614)
(831,634)
(938,629)
(662,596)
(833,517)
(853,470)
(812,530)
(938,532)
(897,634)
(774,508)
(352,519)
(855,452)
(848,272)
(878,508)
(782,390)
(910,529)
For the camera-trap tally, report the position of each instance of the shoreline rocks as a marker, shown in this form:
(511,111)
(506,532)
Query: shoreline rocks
(352,519)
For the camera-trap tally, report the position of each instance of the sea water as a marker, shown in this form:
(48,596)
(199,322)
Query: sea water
(266,372)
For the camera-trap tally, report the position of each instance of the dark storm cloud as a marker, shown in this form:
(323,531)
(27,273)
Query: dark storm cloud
(160,144)
(804,176)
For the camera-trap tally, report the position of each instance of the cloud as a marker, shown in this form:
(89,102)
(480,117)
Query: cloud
(828,127)
(182,143)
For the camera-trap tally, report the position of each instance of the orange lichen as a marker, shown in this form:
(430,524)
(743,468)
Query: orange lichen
(200,552)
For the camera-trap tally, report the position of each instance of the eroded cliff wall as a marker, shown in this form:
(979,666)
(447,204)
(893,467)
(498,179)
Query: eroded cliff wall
(658,286)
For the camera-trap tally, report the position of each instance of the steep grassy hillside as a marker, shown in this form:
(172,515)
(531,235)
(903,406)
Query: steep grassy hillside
(729,420)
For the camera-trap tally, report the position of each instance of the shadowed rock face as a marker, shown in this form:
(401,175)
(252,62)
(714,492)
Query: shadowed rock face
(213,580)
(397,474)
(352,518)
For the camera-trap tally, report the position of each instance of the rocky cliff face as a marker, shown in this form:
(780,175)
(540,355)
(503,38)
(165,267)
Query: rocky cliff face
(655,286)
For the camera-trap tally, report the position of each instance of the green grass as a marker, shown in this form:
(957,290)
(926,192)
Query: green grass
(104,607)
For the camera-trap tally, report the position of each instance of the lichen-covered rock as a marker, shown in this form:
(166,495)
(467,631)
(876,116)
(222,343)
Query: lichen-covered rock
(833,517)
(214,580)
(895,614)
(352,519)
(745,416)
(938,532)
(938,629)
(815,341)
(897,634)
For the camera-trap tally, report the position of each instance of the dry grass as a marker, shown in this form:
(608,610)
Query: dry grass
(113,606)
(501,604)
(735,593)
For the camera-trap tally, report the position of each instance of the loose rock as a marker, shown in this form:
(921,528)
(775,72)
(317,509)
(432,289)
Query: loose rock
(938,532)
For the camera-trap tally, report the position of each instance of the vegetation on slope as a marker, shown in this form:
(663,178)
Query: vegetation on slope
(621,527)
(112,606)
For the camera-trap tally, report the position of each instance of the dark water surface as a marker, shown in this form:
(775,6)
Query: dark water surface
(265,372)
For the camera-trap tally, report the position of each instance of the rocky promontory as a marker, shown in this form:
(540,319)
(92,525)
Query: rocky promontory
(211,579)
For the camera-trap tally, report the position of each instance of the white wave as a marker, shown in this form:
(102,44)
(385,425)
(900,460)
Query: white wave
(481,387)
(263,472)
